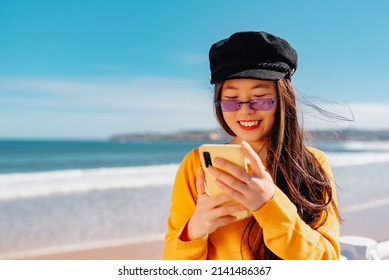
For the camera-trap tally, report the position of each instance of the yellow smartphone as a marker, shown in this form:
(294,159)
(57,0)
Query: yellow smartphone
(230,152)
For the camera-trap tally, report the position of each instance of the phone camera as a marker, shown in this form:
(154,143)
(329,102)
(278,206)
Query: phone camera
(207,159)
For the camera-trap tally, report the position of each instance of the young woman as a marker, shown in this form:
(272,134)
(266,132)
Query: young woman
(289,189)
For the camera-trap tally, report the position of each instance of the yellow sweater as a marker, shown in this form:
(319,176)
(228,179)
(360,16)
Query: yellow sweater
(285,233)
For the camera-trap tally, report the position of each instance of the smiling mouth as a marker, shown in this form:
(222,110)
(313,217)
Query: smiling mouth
(249,124)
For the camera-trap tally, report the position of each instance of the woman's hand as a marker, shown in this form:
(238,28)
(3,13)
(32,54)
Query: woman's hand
(250,190)
(209,214)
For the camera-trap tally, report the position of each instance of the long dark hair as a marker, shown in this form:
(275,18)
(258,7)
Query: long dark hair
(293,167)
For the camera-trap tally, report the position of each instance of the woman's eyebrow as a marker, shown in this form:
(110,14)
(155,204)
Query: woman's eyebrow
(230,87)
(265,86)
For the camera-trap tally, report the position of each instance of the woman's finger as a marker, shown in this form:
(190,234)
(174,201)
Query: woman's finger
(200,182)
(217,200)
(233,176)
(255,161)
(229,169)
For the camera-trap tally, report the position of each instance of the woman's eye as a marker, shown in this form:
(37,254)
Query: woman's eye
(261,95)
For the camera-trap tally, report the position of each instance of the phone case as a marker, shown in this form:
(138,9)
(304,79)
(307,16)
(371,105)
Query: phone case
(230,152)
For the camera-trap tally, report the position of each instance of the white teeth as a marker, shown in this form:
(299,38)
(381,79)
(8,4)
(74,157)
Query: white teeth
(249,123)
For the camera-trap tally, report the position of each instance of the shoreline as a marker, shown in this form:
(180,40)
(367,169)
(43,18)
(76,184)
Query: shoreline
(367,220)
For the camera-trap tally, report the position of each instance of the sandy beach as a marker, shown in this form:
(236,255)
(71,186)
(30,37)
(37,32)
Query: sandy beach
(148,250)
(364,220)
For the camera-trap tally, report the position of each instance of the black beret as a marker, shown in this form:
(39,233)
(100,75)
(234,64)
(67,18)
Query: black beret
(252,55)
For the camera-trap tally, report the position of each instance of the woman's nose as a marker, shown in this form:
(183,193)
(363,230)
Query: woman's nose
(246,108)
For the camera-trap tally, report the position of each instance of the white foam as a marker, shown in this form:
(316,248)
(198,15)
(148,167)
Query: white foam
(359,153)
(82,180)
(351,159)
(366,145)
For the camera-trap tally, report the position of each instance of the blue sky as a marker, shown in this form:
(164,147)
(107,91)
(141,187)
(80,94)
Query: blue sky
(92,69)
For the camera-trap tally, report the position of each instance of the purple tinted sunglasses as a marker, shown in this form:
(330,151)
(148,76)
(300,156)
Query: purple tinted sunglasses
(263,104)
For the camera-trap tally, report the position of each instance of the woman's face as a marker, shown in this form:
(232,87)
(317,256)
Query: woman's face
(247,123)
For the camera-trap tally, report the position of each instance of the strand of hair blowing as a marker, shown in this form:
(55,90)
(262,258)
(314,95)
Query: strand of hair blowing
(294,170)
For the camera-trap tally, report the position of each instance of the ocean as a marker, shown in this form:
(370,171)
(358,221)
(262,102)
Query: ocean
(61,195)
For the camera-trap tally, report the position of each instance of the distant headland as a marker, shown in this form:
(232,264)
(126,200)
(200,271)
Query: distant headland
(191,135)
(217,135)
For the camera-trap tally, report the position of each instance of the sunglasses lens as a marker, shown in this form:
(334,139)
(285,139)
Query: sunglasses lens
(230,105)
(262,104)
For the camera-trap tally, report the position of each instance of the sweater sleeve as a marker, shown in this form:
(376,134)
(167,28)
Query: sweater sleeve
(183,204)
(289,237)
